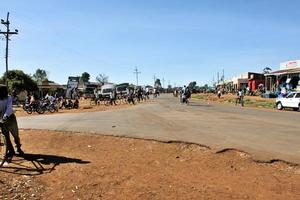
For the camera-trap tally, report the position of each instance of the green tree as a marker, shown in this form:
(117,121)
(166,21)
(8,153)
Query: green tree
(85,77)
(18,80)
(192,85)
(157,83)
(40,75)
(267,70)
(102,78)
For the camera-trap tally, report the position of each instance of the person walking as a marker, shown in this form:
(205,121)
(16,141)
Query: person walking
(10,124)
(130,98)
(112,96)
(240,98)
(219,94)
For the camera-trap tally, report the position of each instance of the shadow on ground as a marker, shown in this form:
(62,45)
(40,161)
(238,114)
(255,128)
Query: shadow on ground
(199,105)
(37,164)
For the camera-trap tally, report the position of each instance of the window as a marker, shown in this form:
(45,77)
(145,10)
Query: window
(107,90)
(290,95)
(297,95)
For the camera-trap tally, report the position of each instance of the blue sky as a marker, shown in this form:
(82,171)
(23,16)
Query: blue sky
(181,41)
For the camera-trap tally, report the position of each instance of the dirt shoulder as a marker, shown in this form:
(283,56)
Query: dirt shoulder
(249,101)
(85,166)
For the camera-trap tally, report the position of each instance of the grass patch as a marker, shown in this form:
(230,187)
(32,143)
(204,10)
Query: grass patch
(200,97)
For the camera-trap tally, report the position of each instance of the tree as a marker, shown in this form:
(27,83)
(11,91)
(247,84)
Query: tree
(18,80)
(192,85)
(157,83)
(102,78)
(267,70)
(85,77)
(40,75)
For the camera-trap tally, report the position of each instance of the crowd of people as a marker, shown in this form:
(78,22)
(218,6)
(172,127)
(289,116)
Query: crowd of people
(130,96)
(184,94)
(48,103)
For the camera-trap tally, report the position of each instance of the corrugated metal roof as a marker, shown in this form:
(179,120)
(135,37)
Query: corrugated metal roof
(284,71)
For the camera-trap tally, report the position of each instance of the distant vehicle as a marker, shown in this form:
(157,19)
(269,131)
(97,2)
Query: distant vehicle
(89,89)
(292,100)
(122,89)
(150,89)
(106,89)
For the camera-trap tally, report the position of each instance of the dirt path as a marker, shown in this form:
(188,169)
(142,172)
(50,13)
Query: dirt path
(83,166)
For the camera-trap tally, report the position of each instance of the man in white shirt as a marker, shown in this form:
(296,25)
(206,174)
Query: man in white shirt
(9,124)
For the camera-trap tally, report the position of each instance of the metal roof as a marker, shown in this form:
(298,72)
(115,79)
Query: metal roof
(284,71)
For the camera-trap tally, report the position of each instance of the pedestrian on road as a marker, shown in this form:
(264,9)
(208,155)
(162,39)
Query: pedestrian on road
(112,96)
(219,94)
(130,98)
(10,124)
(240,98)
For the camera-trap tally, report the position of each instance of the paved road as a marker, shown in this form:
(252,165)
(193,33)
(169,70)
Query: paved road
(266,134)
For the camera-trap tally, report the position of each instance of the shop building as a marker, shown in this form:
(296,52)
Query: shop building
(287,78)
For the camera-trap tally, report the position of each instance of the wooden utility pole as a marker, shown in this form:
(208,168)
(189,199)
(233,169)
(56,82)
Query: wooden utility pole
(136,72)
(7,33)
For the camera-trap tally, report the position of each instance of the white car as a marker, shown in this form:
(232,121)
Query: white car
(292,100)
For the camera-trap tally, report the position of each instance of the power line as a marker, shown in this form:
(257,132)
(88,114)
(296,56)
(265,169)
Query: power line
(7,33)
(136,72)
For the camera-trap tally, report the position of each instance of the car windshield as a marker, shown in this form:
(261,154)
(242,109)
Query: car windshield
(107,90)
(119,89)
(290,95)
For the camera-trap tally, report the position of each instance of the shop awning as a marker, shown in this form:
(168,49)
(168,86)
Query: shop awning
(284,71)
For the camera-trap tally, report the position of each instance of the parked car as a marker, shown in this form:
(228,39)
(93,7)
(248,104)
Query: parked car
(292,100)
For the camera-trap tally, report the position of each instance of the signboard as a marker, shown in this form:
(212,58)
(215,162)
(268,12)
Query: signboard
(290,64)
(72,86)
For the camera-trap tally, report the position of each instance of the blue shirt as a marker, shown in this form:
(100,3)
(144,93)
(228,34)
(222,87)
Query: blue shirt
(6,108)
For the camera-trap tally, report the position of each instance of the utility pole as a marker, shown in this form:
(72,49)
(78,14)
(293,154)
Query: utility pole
(154,78)
(136,72)
(163,80)
(7,33)
(223,76)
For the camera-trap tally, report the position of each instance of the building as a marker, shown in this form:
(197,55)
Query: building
(255,80)
(287,77)
(51,88)
(240,81)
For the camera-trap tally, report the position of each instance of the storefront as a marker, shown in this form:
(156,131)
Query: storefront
(255,80)
(240,82)
(287,78)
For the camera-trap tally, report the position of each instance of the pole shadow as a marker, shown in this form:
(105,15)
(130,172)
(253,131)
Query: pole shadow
(37,164)
(199,105)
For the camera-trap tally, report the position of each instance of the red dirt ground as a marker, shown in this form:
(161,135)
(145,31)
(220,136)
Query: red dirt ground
(86,166)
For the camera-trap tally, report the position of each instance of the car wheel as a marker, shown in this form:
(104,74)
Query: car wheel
(279,106)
